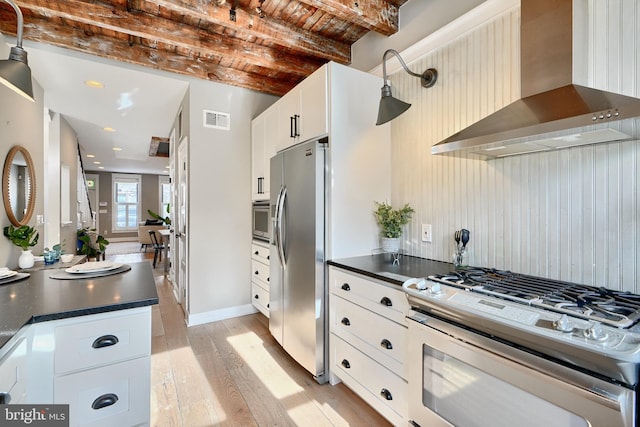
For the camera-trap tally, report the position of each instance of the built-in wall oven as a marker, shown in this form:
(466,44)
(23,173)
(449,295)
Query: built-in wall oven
(478,359)
(261,220)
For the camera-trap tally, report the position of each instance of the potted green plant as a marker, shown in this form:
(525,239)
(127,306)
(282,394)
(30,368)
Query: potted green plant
(24,237)
(166,220)
(90,243)
(391,222)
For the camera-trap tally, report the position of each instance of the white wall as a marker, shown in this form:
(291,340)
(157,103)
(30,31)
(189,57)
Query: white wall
(220,199)
(571,215)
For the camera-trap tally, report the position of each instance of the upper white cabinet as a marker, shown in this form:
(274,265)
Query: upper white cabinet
(302,112)
(263,147)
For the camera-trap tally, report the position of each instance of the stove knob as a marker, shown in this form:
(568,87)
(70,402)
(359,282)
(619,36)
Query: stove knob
(435,288)
(421,285)
(595,332)
(562,324)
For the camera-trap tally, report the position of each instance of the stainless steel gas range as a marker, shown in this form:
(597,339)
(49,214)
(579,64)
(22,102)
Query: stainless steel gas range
(495,348)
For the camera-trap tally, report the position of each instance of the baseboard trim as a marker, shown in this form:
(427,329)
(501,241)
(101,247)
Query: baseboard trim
(224,313)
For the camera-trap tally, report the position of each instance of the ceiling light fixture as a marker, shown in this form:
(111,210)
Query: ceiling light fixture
(15,72)
(91,156)
(97,163)
(259,9)
(108,129)
(390,107)
(117,149)
(94,84)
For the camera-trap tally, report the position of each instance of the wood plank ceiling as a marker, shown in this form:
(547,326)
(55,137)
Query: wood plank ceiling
(201,39)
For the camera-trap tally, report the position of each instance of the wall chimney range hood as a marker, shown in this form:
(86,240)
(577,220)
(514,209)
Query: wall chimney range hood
(557,109)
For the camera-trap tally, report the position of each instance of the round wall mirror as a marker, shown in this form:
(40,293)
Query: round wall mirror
(19,186)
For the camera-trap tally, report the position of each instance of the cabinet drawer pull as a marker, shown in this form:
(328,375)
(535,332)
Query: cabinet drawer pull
(386,301)
(386,344)
(104,401)
(386,394)
(105,341)
(291,135)
(256,253)
(267,256)
(345,363)
(346,287)
(345,321)
(267,305)
(5,398)
(296,132)
(256,272)
(267,279)
(256,296)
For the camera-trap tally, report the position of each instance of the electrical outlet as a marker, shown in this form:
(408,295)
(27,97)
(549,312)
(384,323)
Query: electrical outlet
(426,233)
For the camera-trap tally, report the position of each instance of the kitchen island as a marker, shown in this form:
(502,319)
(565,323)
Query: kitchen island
(83,342)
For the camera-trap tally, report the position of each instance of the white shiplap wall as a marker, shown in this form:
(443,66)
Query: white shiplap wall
(572,214)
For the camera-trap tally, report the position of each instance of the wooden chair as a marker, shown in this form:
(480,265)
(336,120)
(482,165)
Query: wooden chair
(157,247)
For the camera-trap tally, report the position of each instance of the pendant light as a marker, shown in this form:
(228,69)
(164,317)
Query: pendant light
(15,72)
(390,107)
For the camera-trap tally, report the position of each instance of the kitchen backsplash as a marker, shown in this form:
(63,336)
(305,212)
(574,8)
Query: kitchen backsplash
(571,215)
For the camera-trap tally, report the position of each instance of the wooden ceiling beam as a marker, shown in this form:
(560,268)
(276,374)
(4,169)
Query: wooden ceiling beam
(380,16)
(267,28)
(173,33)
(41,30)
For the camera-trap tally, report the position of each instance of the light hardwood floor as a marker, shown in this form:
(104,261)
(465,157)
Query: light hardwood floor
(233,373)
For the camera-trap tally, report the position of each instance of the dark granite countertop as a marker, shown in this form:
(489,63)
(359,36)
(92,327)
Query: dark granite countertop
(39,298)
(380,266)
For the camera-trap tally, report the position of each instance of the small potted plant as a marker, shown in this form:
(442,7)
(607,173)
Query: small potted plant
(166,220)
(90,243)
(23,237)
(391,221)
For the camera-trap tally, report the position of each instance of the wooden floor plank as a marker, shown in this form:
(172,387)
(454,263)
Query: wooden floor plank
(234,373)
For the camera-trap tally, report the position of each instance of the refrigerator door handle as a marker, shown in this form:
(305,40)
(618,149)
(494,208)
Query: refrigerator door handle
(276,232)
(282,232)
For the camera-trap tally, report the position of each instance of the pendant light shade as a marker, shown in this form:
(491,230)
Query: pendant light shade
(15,72)
(391,107)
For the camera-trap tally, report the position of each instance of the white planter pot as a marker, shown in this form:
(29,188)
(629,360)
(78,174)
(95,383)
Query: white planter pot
(391,244)
(26,259)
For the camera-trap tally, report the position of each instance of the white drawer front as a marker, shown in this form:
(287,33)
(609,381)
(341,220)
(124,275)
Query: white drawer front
(388,389)
(260,271)
(260,298)
(99,342)
(260,253)
(13,374)
(377,297)
(128,382)
(375,335)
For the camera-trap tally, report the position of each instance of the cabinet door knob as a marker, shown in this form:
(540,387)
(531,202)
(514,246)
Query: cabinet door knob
(386,344)
(386,394)
(104,401)
(105,341)
(256,253)
(256,296)
(345,321)
(345,363)
(5,398)
(386,301)
(256,272)
(346,287)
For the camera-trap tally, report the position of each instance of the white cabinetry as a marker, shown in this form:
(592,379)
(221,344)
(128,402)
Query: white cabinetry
(368,337)
(260,276)
(13,369)
(302,112)
(263,147)
(98,364)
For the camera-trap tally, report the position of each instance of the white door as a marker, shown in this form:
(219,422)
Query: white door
(182,228)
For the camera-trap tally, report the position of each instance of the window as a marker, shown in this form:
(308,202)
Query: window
(165,195)
(126,202)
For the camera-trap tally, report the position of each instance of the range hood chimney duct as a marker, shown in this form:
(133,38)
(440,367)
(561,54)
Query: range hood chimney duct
(557,109)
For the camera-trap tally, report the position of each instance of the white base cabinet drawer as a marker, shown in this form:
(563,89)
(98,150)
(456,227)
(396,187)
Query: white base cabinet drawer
(13,372)
(260,253)
(380,338)
(260,298)
(260,271)
(88,344)
(383,390)
(114,395)
(380,298)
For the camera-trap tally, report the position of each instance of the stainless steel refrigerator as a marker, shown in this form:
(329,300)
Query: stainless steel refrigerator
(298,297)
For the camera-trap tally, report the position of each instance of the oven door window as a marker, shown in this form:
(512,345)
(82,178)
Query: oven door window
(261,221)
(466,396)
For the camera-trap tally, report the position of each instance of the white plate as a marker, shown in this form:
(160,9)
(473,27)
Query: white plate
(93,267)
(8,274)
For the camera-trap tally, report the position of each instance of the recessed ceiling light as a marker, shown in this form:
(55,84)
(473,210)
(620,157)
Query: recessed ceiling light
(100,167)
(117,149)
(91,156)
(108,129)
(97,163)
(94,84)
(166,167)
